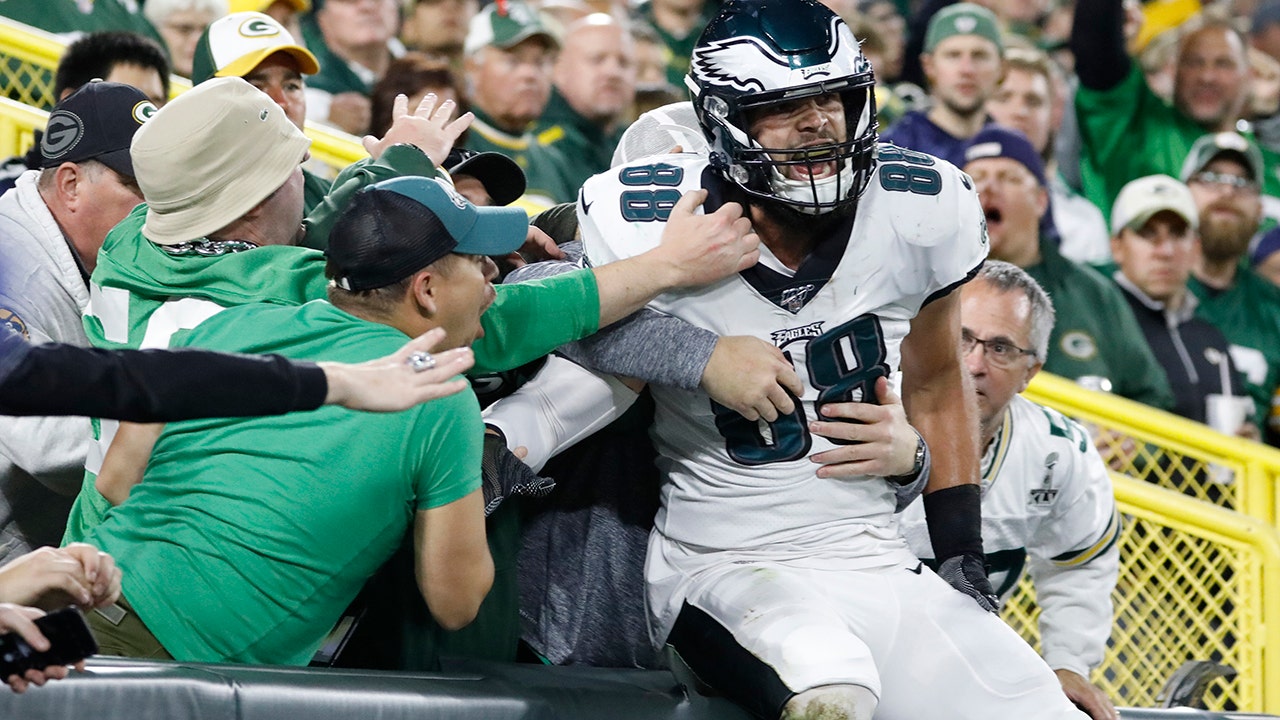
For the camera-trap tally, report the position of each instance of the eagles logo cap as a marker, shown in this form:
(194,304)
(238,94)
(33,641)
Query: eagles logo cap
(1139,200)
(397,227)
(209,156)
(963,19)
(234,45)
(506,27)
(96,122)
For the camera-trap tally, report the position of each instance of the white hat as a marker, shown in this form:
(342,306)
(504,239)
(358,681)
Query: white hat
(1141,199)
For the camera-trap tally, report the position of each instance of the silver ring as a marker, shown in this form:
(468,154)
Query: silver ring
(421,361)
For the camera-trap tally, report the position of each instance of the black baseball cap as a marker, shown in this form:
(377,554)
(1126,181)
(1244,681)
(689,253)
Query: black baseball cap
(501,177)
(96,122)
(395,228)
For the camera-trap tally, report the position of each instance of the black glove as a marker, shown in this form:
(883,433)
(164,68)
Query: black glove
(954,517)
(503,475)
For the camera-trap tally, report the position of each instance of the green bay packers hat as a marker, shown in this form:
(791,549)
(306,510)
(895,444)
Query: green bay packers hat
(1209,147)
(506,27)
(1139,200)
(96,122)
(234,45)
(397,227)
(209,156)
(963,19)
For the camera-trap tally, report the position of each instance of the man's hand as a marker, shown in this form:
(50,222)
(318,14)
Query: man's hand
(55,577)
(428,128)
(968,574)
(1087,696)
(751,377)
(538,246)
(15,618)
(351,111)
(880,440)
(700,249)
(504,473)
(391,384)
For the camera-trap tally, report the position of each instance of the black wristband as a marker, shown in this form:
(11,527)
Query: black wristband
(954,517)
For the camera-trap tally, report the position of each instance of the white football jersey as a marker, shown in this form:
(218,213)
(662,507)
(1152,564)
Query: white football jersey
(1047,502)
(749,489)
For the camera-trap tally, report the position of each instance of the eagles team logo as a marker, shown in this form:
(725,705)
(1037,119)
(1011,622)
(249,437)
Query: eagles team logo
(63,132)
(783,338)
(965,24)
(736,62)
(454,196)
(143,111)
(257,27)
(10,320)
(1079,345)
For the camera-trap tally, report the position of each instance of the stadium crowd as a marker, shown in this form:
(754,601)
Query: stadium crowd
(1115,165)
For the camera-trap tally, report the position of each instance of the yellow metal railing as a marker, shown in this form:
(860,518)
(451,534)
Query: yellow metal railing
(1170,451)
(1196,582)
(28,58)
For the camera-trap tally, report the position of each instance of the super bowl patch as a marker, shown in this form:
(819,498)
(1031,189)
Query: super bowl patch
(8,317)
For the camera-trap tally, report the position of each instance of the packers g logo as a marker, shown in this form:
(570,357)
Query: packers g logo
(143,111)
(1079,345)
(63,132)
(13,322)
(257,27)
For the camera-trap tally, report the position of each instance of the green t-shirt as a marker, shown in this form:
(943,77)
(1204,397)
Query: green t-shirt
(69,16)
(1095,332)
(1248,314)
(1128,132)
(249,537)
(538,158)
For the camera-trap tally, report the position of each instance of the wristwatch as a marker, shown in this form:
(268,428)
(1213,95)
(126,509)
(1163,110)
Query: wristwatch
(907,477)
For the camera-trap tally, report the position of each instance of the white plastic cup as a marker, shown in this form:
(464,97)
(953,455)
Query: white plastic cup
(1227,413)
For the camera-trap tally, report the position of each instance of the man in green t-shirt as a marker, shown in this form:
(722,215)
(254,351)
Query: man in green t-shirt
(271,526)
(1223,172)
(1096,333)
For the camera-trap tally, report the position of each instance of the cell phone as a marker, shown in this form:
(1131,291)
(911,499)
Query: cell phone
(70,641)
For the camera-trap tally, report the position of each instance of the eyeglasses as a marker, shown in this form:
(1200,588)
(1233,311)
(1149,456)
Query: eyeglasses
(999,351)
(1234,183)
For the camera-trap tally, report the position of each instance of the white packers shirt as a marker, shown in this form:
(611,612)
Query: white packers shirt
(1047,499)
(733,488)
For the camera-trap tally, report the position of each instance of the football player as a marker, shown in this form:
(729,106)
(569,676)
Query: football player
(775,570)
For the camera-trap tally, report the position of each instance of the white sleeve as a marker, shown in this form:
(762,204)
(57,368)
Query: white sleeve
(559,406)
(1074,585)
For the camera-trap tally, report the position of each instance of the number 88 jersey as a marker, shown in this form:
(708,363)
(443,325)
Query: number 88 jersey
(733,484)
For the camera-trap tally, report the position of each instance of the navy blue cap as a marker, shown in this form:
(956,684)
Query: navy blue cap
(997,141)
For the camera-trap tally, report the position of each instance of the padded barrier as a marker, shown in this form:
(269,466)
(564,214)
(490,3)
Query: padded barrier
(120,689)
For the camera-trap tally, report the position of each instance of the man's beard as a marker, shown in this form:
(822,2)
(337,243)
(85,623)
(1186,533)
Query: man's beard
(1225,239)
(791,220)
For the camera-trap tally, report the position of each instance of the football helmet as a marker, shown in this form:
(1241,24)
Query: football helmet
(760,53)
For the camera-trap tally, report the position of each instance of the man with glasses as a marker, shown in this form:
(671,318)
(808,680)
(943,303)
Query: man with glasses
(1047,502)
(1096,334)
(1223,171)
(51,227)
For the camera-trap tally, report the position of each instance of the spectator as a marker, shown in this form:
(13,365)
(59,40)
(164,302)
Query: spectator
(1095,333)
(255,47)
(594,89)
(1264,27)
(1046,494)
(414,75)
(181,23)
(962,60)
(884,16)
(51,227)
(510,57)
(1155,244)
(1223,171)
(438,27)
(1127,131)
(355,41)
(293,583)
(1024,101)
(678,23)
(178,261)
(1263,258)
(122,57)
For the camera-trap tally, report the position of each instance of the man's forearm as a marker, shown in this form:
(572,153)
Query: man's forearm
(1097,41)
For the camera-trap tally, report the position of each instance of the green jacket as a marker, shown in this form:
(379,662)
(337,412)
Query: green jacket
(1248,313)
(335,75)
(1128,132)
(584,147)
(1096,333)
(679,49)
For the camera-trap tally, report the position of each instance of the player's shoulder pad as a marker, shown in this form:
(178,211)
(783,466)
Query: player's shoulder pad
(922,197)
(625,208)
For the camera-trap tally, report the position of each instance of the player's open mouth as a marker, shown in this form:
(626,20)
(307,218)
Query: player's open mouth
(813,165)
